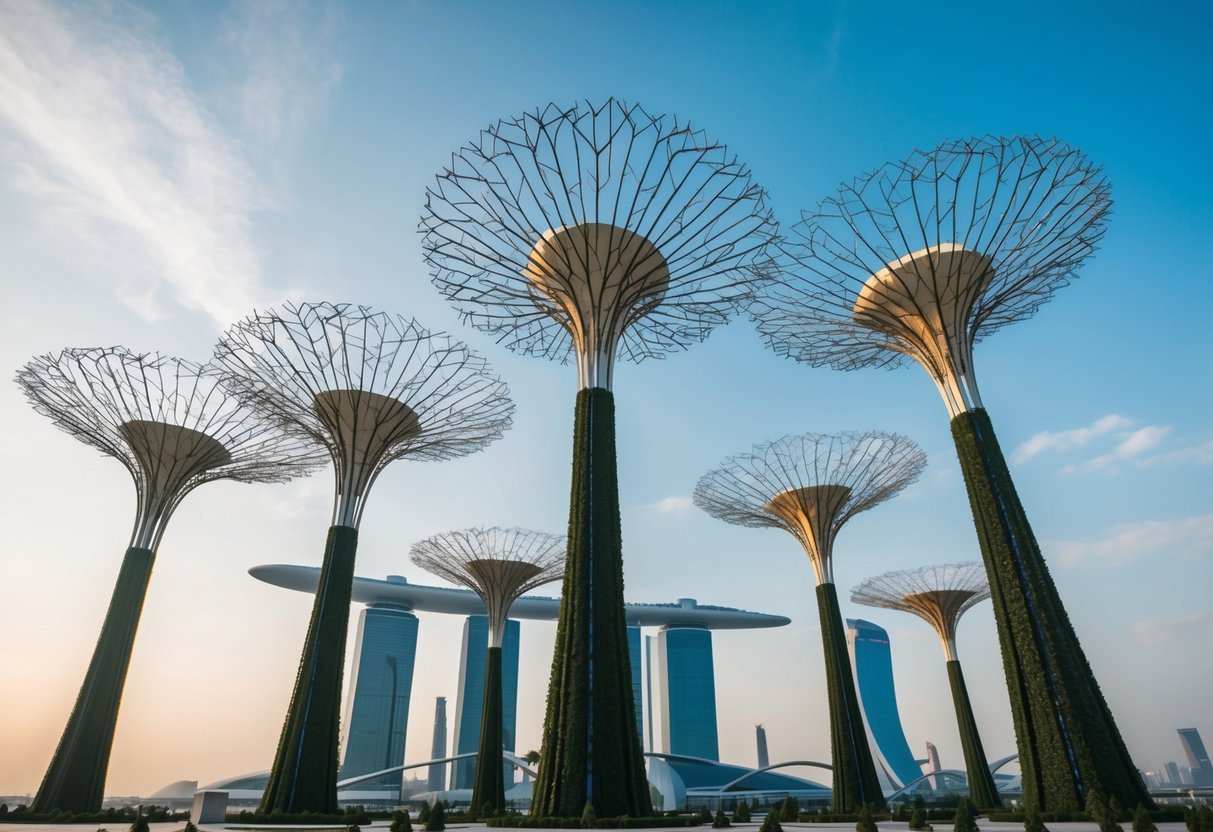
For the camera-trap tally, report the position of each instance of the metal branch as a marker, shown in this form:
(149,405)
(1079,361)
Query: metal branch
(939,595)
(166,420)
(596,230)
(499,565)
(925,256)
(810,485)
(368,386)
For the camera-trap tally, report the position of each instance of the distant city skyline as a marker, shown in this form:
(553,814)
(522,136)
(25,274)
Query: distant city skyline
(169,168)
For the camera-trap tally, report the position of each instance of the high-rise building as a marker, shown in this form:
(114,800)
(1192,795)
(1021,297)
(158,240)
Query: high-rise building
(688,689)
(377,712)
(634,653)
(764,756)
(469,699)
(1198,757)
(437,776)
(872,665)
(1173,774)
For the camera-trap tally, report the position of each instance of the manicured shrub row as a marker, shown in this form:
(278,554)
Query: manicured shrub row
(586,735)
(304,775)
(982,790)
(533,822)
(855,782)
(125,815)
(488,789)
(75,779)
(1068,743)
(350,816)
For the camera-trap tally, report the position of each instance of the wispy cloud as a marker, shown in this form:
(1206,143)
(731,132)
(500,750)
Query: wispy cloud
(672,505)
(1131,446)
(1198,454)
(1185,536)
(110,141)
(1196,627)
(1064,439)
(284,51)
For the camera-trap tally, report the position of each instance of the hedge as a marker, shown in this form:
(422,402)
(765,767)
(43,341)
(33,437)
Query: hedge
(75,778)
(591,752)
(534,822)
(1067,739)
(304,774)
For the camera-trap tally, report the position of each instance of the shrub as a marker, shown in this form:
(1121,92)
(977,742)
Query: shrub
(1204,819)
(964,820)
(771,822)
(705,814)
(789,810)
(436,821)
(900,813)
(865,822)
(189,827)
(424,814)
(918,819)
(589,818)
(1142,822)
(401,822)
(721,820)
(742,813)
(1098,811)
(140,824)
(1032,821)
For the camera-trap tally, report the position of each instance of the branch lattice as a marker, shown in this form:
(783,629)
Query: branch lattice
(499,565)
(664,224)
(368,386)
(810,485)
(946,246)
(938,594)
(166,420)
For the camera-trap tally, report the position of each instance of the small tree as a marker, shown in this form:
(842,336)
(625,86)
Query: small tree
(589,818)
(401,822)
(424,814)
(866,823)
(140,824)
(789,810)
(1204,819)
(189,827)
(900,813)
(964,821)
(1032,821)
(436,821)
(1142,822)
(771,822)
(721,820)
(1098,811)
(705,814)
(742,813)
(918,818)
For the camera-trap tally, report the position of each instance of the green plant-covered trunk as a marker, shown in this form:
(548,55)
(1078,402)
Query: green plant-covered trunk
(982,790)
(591,751)
(855,781)
(489,784)
(1068,742)
(304,775)
(75,779)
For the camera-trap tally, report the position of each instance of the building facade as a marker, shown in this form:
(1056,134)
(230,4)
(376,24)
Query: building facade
(437,773)
(688,691)
(1198,757)
(377,712)
(872,664)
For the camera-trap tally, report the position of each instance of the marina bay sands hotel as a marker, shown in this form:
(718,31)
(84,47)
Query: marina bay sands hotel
(377,710)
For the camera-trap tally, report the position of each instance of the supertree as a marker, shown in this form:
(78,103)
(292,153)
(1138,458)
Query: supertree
(920,259)
(369,388)
(940,595)
(164,419)
(595,232)
(810,486)
(499,565)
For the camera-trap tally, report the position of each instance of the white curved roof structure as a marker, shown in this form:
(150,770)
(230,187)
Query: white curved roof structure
(395,589)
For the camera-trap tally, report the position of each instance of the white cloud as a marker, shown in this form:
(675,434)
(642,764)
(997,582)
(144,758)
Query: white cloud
(1200,454)
(1063,439)
(283,50)
(1155,631)
(1186,536)
(672,505)
(1134,444)
(110,141)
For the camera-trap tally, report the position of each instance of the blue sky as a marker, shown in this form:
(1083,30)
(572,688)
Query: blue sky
(164,168)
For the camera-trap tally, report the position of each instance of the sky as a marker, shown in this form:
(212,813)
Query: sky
(165,168)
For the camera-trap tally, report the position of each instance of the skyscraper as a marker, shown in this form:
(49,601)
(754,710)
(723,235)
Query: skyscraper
(377,711)
(873,667)
(764,756)
(1172,774)
(688,690)
(469,700)
(634,653)
(437,776)
(1198,757)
